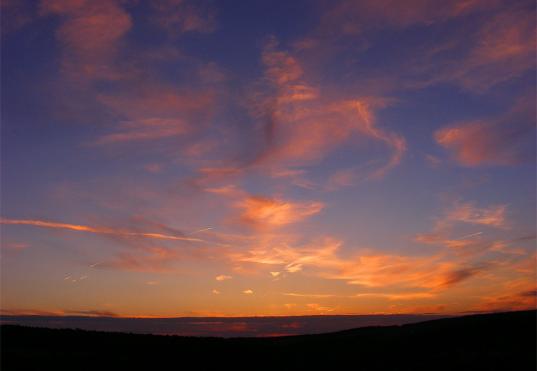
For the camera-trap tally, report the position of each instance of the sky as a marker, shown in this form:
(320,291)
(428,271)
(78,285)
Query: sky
(267,158)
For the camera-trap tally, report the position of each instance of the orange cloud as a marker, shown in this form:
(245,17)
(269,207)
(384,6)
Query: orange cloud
(269,212)
(517,294)
(319,308)
(369,270)
(402,271)
(223,277)
(230,190)
(97,230)
(318,296)
(399,296)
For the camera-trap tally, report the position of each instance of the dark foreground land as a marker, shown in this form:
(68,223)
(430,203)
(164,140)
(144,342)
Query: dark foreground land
(501,341)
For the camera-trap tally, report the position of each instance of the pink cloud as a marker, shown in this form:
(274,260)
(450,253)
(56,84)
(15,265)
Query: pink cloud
(500,141)
(493,216)
(304,126)
(349,17)
(179,16)
(90,34)
(146,129)
(157,101)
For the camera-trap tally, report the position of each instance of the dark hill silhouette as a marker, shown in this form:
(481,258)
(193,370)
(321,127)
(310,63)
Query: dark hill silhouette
(500,341)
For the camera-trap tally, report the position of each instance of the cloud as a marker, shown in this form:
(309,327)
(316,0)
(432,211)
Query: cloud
(248,292)
(503,49)
(493,216)
(352,18)
(269,212)
(367,269)
(158,102)
(506,140)
(223,277)
(154,259)
(156,112)
(319,308)
(16,14)
(341,178)
(97,230)
(467,212)
(215,291)
(14,246)
(275,250)
(153,168)
(230,190)
(90,313)
(302,126)
(180,16)
(299,295)
(389,296)
(402,271)
(143,130)
(478,44)
(459,275)
(516,294)
(90,33)
(398,296)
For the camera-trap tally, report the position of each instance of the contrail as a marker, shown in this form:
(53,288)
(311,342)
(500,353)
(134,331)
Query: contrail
(470,235)
(201,230)
(97,230)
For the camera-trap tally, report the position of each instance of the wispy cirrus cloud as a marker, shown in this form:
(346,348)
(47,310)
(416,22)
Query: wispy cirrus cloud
(143,130)
(155,259)
(349,17)
(96,230)
(501,49)
(318,125)
(468,212)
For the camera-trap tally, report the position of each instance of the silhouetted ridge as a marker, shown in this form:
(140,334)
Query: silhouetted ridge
(500,341)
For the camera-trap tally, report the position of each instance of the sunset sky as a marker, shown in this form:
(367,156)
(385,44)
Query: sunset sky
(236,158)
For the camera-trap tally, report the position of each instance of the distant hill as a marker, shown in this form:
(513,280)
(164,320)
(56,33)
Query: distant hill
(500,341)
(218,326)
